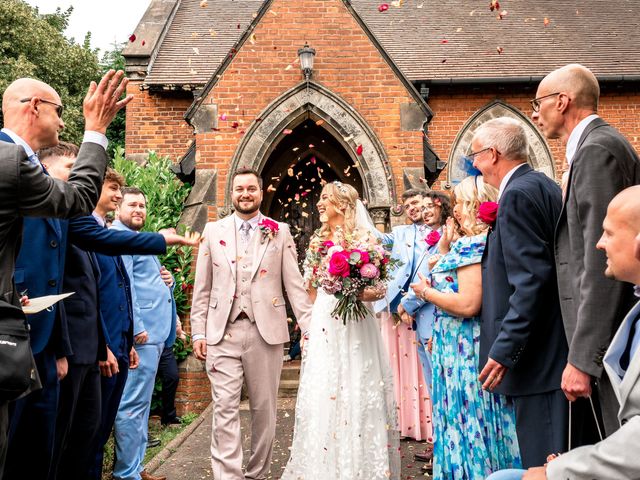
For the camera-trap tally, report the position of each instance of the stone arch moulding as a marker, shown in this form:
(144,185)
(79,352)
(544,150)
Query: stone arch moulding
(340,119)
(539,154)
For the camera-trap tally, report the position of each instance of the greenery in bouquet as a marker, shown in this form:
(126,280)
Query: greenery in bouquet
(345,268)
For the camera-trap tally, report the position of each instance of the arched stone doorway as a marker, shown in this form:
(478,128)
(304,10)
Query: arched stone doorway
(295,172)
(308,124)
(539,154)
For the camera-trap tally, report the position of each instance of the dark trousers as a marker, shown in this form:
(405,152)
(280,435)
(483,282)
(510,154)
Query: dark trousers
(111,393)
(168,372)
(77,424)
(541,425)
(32,425)
(609,405)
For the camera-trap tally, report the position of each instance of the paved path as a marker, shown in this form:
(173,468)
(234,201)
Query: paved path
(191,460)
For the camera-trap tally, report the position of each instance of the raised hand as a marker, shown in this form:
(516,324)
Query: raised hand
(189,239)
(102,101)
(449,234)
(420,287)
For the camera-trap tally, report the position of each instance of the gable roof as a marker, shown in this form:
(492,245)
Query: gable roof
(456,40)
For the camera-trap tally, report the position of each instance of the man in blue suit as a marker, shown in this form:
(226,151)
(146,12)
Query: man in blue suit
(407,245)
(437,208)
(154,327)
(523,348)
(94,336)
(39,269)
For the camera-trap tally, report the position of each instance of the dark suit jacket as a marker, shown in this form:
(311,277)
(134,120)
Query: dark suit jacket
(26,191)
(521,324)
(605,163)
(97,313)
(39,270)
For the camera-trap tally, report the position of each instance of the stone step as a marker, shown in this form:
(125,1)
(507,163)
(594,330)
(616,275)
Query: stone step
(288,388)
(290,370)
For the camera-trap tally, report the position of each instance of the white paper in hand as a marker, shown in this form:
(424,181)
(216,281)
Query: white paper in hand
(40,303)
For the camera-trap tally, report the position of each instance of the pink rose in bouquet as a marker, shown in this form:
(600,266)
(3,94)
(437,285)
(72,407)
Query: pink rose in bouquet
(369,270)
(339,264)
(364,257)
(488,212)
(433,238)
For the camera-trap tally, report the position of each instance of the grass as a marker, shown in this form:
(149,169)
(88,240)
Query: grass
(156,430)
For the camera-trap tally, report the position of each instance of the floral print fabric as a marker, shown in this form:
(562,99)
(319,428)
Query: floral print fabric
(474,429)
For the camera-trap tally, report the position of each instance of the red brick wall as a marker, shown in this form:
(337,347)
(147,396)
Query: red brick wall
(155,122)
(453,109)
(346,62)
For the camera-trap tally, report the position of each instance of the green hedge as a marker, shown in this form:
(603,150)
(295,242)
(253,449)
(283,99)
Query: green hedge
(165,199)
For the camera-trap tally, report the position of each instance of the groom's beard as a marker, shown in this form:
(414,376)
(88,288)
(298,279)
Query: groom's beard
(248,210)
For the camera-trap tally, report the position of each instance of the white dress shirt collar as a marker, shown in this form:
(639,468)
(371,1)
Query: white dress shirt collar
(574,138)
(253,221)
(99,219)
(19,141)
(507,177)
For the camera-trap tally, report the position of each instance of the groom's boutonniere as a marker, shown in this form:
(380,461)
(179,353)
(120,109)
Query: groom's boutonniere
(487,213)
(269,228)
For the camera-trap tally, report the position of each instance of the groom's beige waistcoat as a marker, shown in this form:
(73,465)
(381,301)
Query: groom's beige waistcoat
(223,274)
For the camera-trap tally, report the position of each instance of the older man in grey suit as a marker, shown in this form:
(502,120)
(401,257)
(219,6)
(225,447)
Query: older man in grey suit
(601,164)
(614,457)
(25,190)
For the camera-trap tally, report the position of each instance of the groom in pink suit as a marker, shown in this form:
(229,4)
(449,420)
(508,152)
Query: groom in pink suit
(239,323)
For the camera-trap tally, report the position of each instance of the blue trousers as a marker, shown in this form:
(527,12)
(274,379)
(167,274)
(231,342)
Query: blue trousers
(111,393)
(32,425)
(132,419)
(425,358)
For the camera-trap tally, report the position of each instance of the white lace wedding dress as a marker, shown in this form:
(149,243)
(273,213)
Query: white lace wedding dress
(346,427)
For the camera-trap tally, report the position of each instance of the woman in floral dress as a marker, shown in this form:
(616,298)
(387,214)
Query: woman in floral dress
(474,429)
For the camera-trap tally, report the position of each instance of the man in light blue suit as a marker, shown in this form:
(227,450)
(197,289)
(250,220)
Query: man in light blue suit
(407,246)
(436,209)
(154,327)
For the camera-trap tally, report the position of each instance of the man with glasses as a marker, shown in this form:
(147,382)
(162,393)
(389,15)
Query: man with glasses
(523,348)
(26,191)
(601,164)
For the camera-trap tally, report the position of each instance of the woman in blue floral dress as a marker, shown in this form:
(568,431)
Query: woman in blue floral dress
(474,429)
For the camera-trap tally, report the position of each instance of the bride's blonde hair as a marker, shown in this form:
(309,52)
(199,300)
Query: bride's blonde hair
(343,197)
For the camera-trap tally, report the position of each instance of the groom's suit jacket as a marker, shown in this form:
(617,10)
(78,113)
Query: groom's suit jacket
(274,264)
(605,163)
(521,323)
(616,457)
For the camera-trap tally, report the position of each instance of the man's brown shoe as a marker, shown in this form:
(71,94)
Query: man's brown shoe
(147,476)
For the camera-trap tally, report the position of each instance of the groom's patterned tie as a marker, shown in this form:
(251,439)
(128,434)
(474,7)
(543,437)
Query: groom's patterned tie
(245,228)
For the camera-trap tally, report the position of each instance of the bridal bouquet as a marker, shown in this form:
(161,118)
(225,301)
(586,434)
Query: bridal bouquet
(345,269)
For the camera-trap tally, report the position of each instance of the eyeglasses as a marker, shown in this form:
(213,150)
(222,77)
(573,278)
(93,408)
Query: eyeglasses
(59,108)
(535,103)
(472,155)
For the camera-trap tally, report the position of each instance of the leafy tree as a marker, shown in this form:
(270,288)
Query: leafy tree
(33,45)
(113,59)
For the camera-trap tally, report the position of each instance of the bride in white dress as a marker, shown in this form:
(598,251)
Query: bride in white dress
(345,425)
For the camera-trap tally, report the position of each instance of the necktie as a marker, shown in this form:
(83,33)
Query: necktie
(245,228)
(625,358)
